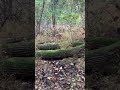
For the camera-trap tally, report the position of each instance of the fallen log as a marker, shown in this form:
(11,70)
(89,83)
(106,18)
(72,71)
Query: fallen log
(21,67)
(21,49)
(48,46)
(102,57)
(103,50)
(77,43)
(95,43)
(59,54)
(14,40)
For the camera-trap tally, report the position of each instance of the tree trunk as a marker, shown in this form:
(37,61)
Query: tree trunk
(43,6)
(7,12)
(54,16)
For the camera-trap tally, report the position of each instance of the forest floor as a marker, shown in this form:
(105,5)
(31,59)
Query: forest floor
(66,74)
(9,82)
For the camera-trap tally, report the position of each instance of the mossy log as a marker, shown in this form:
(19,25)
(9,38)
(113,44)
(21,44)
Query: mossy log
(48,46)
(95,43)
(21,67)
(77,43)
(21,49)
(14,40)
(60,53)
(104,50)
(103,56)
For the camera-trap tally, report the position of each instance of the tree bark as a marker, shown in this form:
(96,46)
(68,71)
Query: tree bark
(53,7)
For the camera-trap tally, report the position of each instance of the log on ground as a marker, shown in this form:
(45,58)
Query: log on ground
(77,43)
(21,49)
(95,43)
(103,57)
(60,53)
(21,67)
(48,46)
